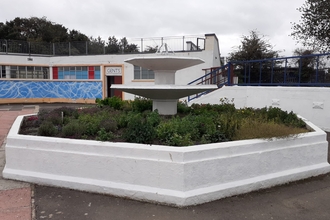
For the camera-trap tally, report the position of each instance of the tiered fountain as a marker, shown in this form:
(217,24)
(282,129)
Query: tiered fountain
(164,93)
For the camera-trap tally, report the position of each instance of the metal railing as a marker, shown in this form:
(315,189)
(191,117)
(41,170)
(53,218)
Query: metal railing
(144,45)
(309,70)
(214,76)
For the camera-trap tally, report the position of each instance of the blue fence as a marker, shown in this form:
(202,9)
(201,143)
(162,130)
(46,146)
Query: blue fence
(309,70)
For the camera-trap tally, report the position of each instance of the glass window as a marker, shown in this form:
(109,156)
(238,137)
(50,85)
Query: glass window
(141,73)
(13,71)
(3,71)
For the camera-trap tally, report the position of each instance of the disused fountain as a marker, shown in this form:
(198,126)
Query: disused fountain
(164,93)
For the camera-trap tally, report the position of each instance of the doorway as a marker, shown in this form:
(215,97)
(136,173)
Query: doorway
(114,92)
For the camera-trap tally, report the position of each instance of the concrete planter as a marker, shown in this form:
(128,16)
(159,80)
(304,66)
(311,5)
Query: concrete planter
(179,176)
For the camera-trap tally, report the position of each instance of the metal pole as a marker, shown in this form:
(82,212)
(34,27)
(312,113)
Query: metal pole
(285,70)
(300,68)
(317,69)
(86,48)
(272,73)
(228,74)
(141,45)
(260,71)
(183,43)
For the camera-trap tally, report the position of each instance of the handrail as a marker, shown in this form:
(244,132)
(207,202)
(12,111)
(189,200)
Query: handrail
(308,70)
(217,76)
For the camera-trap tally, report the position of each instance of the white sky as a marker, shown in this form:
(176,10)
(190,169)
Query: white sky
(228,19)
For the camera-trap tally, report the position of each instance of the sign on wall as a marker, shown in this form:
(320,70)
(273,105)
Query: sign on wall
(113,71)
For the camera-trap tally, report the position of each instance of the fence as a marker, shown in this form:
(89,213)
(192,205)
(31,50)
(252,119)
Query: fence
(144,45)
(308,70)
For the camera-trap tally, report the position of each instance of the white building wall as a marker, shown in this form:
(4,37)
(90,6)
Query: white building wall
(211,57)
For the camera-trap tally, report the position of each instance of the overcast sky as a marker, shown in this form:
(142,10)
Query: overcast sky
(228,19)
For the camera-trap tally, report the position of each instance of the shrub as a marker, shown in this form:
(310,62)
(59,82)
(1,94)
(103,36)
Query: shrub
(183,108)
(257,129)
(139,129)
(141,104)
(177,131)
(114,102)
(73,130)
(47,129)
(103,135)
(109,125)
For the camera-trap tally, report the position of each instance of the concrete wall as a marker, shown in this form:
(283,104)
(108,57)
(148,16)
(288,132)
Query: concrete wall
(179,176)
(310,102)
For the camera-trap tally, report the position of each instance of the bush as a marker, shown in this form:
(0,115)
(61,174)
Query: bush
(114,102)
(73,130)
(103,135)
(47,129)
(140,129)
(141,105)
(135,122)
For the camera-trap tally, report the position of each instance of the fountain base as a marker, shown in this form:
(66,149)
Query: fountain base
(165,106)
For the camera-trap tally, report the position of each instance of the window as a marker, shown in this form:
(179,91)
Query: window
(79,72)
(2,71)
(27,72)
(142,73)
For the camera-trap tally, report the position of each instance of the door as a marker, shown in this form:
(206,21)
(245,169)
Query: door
(114,92)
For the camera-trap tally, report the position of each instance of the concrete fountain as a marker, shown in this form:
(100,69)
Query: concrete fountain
(165,93)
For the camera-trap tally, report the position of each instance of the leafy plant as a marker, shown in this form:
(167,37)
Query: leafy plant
(47,129)
(73,130)
(141,104)
(103,135)
(139,129)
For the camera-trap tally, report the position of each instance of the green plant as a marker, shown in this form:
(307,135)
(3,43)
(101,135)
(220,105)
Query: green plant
(177,131)
(73,130)
(47,129)
(182,107)
(139,129)
(141,104)
(114,102)
(103,135)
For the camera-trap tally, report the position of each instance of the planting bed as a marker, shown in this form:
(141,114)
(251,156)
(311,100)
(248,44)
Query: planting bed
(178,176)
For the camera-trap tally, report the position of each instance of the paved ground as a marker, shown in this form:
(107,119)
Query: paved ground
(307,199)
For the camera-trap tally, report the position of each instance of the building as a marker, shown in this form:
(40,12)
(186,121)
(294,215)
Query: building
(33,78)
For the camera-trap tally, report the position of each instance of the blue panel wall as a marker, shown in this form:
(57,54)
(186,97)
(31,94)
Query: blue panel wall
(53,89)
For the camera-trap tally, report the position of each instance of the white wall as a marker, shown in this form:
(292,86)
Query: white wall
(179,176)
(310,102)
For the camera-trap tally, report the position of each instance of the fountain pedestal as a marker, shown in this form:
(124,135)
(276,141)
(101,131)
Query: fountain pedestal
(164,93)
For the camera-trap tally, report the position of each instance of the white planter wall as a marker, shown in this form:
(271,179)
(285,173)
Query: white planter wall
(178,176)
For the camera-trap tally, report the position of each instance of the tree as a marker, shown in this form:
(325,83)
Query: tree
(112,46)
(314,27)
(253,47)
(126,47)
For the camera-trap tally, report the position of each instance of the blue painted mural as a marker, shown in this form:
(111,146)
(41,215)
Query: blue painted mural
(50,89)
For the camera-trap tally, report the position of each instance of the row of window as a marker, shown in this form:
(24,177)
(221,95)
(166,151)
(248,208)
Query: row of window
(77,72)
(69,72)
(25,72)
